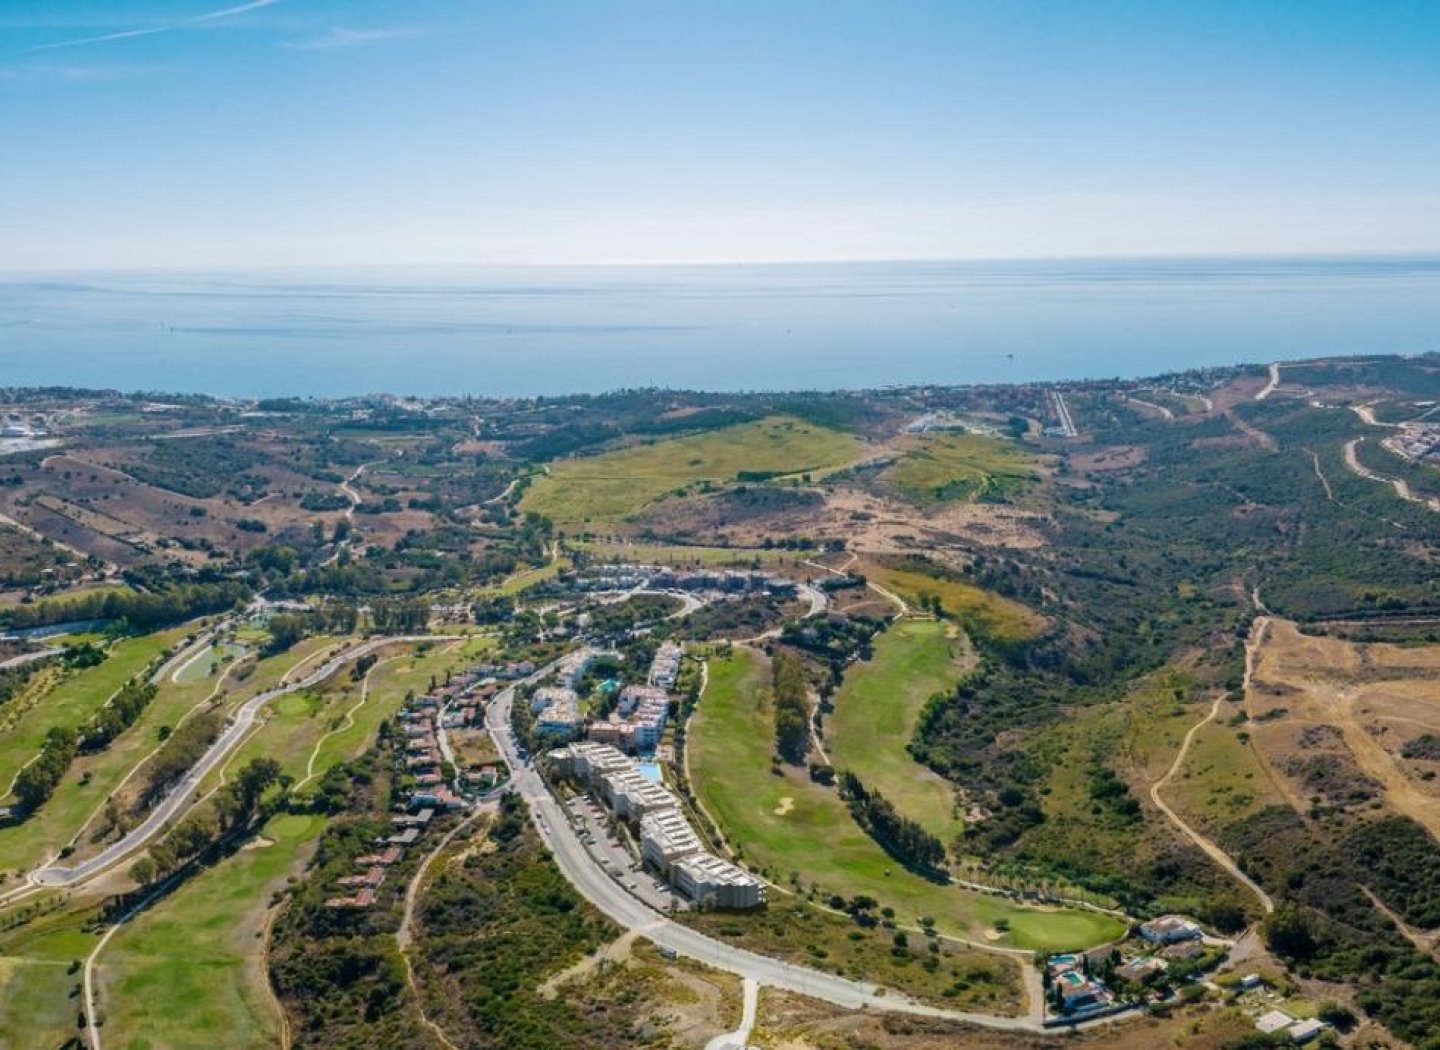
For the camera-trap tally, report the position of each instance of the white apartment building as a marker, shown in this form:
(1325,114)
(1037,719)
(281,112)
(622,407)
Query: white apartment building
(665,837)
(631,795)
(588,762)
(711,882)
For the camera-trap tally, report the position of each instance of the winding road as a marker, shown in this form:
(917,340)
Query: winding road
(236,729)
(601,890)
(1165,413)
(1402,489)
(1211,850)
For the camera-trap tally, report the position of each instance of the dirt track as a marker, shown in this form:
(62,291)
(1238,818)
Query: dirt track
(1364,691)
(1214,852)
(1403,490)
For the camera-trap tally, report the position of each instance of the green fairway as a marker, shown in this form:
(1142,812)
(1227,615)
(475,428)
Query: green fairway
(786,825)
(295,663)
(92,779)
(190,971)
(331,723)
(76,698)
(36,986)
(960,467)
(613,486)
(875,713)
(190,966)
(389,683)
(527,578)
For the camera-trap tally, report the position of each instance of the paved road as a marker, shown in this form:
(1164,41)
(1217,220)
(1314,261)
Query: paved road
(28,658)
(1062,412)
(602,891)
(815,596)
(234,733)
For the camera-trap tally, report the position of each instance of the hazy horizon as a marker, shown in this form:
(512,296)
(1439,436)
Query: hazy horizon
(550,330)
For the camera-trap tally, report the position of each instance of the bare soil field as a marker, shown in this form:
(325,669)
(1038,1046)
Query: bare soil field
(881,526)
(1111,457)
(1336,720)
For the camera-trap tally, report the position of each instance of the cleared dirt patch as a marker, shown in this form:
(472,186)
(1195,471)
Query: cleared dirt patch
(1333,719)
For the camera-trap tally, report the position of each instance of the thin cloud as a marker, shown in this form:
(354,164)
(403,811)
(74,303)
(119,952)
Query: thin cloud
(51,71)
(130,34)
(338,37)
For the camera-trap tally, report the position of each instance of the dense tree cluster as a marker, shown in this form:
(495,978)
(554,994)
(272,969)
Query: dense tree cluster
(14,679)
(400,617)
(171,603)
(329,617)
(235,807)
(203,467)
(1326,925)
(1401,863)
(496,926)
(37,781)
(792,707)
(901,837)
(118,715)
(181,750)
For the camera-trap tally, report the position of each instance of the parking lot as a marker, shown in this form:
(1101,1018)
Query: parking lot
(591,822)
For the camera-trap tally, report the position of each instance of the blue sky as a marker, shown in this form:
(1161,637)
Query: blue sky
(209,133)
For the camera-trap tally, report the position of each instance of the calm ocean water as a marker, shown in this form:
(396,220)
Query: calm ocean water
(560,330)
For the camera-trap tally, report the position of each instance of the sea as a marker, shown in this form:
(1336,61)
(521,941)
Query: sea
(555,330)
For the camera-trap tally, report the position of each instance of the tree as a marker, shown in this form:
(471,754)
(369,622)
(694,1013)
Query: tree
(1289,931)
(792,722)
(285,630)
(143,871)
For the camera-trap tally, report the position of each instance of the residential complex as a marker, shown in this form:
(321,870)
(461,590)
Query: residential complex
(668,844)
(712,882)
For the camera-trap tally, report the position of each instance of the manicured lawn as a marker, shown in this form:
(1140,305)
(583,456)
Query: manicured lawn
(614,485)
(298,721)
(875,713)
(77,697)
(787,824)
(389,683)
(94,778)
(190,970)
(268,670)
(36,1008)
(960,467)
